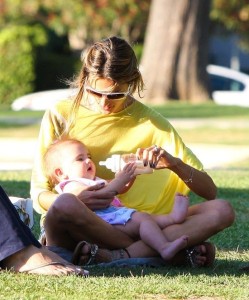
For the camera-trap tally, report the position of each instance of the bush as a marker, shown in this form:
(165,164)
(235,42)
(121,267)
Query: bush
(18,44)
(54,69)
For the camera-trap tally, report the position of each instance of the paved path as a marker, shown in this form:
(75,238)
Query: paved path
(18,154)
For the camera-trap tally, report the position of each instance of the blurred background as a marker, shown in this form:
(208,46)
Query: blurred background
(41,43)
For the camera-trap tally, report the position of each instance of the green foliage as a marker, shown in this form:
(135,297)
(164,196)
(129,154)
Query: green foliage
(92,20)
(234,15)
(18,45)
(53,69)
(138,49)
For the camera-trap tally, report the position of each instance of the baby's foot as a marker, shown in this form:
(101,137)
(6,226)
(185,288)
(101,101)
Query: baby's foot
(171,248)
(180,208)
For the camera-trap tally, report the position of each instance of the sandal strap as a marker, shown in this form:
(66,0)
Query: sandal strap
(52,263)
(190,256)
(120,254)
(93,253)
(127,252)
(192,252)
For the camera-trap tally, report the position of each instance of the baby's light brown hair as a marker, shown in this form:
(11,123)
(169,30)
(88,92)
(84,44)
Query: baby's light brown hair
(52,158)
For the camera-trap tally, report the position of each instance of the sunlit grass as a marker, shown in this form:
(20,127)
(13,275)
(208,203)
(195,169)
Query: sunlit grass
(223,281)
(220,136)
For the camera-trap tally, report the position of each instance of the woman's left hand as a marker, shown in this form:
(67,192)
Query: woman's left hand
(156,157)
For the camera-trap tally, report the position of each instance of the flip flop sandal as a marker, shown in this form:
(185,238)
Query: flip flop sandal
(193,252)
(79,258)
(78,270)
(187,257)
(94,256)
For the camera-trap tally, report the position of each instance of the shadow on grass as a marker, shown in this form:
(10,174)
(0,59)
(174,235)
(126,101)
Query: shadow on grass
(220,268)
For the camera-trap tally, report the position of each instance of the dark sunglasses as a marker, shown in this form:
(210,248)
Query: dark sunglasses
(109,96)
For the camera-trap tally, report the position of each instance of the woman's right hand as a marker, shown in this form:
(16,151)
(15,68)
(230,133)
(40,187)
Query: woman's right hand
(94,197)
(156,157)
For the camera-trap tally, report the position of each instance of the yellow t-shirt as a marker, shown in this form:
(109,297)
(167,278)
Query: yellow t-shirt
(138,126)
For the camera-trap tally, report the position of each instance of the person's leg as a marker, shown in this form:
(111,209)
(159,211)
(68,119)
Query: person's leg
(142,224)
(204,220)
(15,235)
(69,221)
(177,215)
(40,261)
(19,249)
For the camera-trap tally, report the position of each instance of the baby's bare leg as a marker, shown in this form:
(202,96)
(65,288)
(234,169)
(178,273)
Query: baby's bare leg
(143,225)
(170,249)
(180,208)
(178,213)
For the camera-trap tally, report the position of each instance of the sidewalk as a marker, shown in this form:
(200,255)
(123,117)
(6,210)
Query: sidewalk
(18,154)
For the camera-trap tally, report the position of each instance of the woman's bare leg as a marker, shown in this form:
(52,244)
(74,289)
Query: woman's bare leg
(217,213)
(204,220)
(41,261)
(69,221)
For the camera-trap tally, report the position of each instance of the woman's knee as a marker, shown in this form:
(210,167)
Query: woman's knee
(225,213)
(65,207)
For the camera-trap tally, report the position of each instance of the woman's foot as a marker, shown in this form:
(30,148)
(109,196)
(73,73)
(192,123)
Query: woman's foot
(174,247)
(202,255)
(85,254)
(41,261)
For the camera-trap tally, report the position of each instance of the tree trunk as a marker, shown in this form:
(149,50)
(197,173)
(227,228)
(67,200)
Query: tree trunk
(176,50)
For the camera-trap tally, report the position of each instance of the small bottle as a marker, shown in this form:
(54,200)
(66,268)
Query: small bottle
(116,163)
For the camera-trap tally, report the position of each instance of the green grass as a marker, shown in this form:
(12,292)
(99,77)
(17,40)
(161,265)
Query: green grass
(172,109)
(25,124)
(219,136)
(223,281)
(183,109)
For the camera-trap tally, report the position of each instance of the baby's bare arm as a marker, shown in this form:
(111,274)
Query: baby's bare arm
(123,180)
(74,187)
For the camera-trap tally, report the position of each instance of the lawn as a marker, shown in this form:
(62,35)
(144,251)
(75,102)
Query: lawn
(223,281)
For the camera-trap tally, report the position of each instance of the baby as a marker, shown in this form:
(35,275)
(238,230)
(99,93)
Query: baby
(68,165)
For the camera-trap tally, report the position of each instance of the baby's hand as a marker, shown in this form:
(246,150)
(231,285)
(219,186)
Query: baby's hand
(128,172)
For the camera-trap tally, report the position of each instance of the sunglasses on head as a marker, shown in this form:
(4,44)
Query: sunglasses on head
(110,96)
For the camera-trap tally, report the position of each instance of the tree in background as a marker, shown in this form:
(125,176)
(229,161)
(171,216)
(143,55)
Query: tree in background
(176,50)
(70,26)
